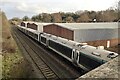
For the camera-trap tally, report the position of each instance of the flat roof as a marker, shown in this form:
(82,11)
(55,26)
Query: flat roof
(101,25)
(43,24)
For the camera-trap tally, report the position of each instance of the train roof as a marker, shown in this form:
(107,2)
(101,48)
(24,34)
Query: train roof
(40,23)
(27,22)
(32,30)
(37,23)
(43,23)
(100,53)
(21,26)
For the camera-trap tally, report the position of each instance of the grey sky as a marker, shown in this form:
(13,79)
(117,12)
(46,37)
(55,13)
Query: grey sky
(14,8)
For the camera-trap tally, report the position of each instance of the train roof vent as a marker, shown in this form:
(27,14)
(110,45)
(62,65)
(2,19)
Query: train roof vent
(55,38)
(100,47)
(49,35)
(80,45)
(112,55)
(95,53)
(83,47)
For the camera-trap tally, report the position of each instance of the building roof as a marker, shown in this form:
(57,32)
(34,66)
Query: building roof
(74,26)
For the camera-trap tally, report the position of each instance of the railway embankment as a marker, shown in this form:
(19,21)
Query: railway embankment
(12,63)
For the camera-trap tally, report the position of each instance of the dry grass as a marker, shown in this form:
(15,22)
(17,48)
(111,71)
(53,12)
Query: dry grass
(14,66)
(13,63)
(8,44)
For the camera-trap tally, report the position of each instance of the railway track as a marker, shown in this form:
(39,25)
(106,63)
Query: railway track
(47,72)
(60,66)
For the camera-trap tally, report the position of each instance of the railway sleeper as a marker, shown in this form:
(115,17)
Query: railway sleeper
(45,70)
(48,72)
(41,63)
(51,75)
(43,66)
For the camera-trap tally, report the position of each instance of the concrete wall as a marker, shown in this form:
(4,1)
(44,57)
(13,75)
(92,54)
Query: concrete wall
(108,71)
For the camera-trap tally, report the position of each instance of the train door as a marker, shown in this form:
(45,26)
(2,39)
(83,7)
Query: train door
(75,55)
(47,41)
(38,36)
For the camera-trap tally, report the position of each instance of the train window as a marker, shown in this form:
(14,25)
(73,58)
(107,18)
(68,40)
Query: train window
(89,61)
(43,39)
(65,50)
(61,48)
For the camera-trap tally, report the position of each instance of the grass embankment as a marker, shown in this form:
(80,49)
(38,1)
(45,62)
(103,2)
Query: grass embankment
(14,65)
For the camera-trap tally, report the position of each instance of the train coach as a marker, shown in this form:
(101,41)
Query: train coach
(81,55)
(33,33)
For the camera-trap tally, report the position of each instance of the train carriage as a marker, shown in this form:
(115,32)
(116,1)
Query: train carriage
(82,55)
(33,33)
(60,48)
(21,28)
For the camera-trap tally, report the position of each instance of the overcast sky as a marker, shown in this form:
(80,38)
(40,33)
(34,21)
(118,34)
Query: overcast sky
(14,8)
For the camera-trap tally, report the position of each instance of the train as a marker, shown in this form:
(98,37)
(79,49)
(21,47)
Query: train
(80,54)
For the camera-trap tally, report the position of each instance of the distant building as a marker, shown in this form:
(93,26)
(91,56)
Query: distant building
(34,25)
(96,34)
